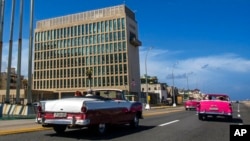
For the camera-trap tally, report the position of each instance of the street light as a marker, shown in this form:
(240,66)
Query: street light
(174,104)
(146,77)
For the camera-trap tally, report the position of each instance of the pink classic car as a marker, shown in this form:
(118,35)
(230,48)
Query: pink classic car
(96,109)
(191,104)
(215,105)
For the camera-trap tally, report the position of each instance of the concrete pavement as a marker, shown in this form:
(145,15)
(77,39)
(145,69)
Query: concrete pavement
(28,125)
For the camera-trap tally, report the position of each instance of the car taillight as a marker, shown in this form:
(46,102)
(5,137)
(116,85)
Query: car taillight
(84,109)
(39,108)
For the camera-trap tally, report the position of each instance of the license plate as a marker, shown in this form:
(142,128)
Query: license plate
(213,109)
(60,114)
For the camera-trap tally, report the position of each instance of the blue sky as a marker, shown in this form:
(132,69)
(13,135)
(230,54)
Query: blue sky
(205,43)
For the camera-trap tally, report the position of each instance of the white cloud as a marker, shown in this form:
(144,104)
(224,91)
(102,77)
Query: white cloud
(24,56)
(218,73)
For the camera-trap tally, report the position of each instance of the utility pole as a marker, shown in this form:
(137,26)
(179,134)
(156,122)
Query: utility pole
(10,52)
(30,53)
(19,54)
(173,91)
(2,4)
(146,77)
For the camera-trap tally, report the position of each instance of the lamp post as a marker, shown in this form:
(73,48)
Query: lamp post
(146,78)
(174,104)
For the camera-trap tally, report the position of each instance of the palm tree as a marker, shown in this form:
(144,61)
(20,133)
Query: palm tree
(89,74)
(25,83)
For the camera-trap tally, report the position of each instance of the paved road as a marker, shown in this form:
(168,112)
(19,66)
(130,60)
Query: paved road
(29,125)
(172,126)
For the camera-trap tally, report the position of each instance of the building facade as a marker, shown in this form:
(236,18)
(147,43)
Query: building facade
(157,91)
(103,41)
(13,85)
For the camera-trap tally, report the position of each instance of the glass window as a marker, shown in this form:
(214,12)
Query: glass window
(119,35)
(123,23)
(106,37)
(114,24)
(115,36)
(106,26)
(90,28)
(99,27)
(72,31)
(86,29)
(68,31)
(111,47)
(124,46)
(98,49)
(115,47)
(121,80)
(123,35)
(86,40)
(103,26)
(82,29)
(83,40)
(94,39)
(94,28)
(103,38)
(124,57)
(90,39)
(110,25)
(110,36)
(79,30)
(118,24)
(98,38)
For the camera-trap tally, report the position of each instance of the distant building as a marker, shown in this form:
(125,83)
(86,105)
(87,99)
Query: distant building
(103,41)
(13,85)
(157,91)
(13,80)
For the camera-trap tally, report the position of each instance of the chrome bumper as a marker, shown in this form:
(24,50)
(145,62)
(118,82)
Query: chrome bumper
(66,121)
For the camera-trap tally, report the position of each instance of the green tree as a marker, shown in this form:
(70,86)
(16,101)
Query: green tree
(89,74)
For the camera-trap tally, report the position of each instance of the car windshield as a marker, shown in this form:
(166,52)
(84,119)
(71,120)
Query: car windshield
(112,94)
(217,97)
(106,94)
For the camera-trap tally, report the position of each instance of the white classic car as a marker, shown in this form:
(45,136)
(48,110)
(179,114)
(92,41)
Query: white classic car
(97,109)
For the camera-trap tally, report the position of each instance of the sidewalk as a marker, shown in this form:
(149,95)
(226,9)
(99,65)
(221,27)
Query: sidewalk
(14,126)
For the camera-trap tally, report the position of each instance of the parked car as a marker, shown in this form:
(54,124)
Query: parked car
(215,105)
(97,109)
(191,104)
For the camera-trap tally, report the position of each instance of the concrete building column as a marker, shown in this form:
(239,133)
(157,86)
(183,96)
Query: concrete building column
(59,95)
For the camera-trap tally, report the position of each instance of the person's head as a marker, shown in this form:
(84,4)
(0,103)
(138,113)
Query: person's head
(90,91)
(77,93)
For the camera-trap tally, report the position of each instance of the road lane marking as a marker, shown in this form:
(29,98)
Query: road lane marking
(38,128)
(160,112)
(24,130)
(169,123)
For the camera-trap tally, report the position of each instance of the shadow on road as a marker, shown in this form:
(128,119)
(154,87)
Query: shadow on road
(222,119)
(112,133)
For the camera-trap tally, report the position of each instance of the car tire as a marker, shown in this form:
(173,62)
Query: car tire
(200,117)
(102,128)
(229,118)
(135,122)
(59,129)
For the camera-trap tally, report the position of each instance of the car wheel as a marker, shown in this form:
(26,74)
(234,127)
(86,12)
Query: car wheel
(135,122)
(102,128)
(59,129)
(200,117)
(229,118)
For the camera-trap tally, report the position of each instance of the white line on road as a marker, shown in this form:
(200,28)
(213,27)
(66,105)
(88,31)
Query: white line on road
(169,123)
